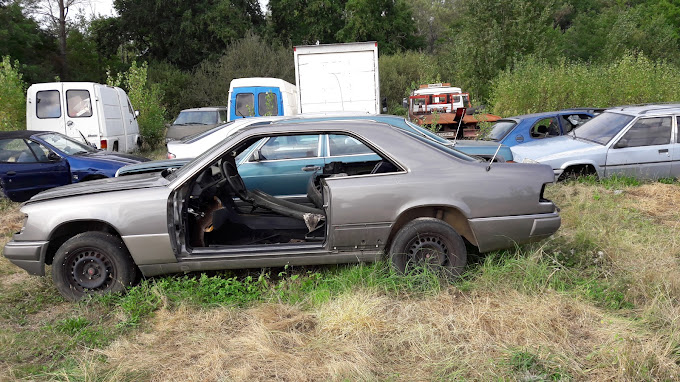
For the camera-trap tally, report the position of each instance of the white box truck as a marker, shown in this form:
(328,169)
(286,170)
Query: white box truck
(338,77)
(100,114)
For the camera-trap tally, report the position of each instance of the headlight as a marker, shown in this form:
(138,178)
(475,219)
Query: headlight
(529,160)
(23,224)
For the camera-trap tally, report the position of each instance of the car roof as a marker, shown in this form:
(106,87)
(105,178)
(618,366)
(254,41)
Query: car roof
(637,110)
(207,108)
(545,114)
(337,124)
(20,134)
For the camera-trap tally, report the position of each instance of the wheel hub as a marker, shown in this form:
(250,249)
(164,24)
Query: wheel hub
(90,270)
(428,250)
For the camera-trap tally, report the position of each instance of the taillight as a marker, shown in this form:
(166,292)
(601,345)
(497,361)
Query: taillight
(103,144)
(171,156)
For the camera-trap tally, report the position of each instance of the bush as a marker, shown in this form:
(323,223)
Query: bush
(12,97)
(147,99)
(535,85)
(402,72)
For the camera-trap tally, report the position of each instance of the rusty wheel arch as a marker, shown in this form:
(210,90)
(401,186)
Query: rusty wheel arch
(451,215)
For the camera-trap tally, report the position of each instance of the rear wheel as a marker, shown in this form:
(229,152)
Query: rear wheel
(431,243)
(92,263)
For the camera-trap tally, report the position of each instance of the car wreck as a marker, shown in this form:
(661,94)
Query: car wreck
(417,201)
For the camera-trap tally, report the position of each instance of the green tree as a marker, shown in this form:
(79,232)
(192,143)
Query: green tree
(402,72)
(184,33)
(146,98)
(306,21)
(389,22)
(12,96)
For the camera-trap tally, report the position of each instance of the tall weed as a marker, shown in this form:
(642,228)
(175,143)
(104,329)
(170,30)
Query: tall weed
(12,96)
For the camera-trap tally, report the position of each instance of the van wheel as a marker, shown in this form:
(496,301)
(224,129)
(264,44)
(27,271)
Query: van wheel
(92,263)
(431,243)
(115,146)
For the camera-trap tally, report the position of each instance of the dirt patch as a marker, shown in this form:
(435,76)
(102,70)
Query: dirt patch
(11,220)
(662,201)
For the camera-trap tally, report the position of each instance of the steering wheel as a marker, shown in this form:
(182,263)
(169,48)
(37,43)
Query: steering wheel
(234,179)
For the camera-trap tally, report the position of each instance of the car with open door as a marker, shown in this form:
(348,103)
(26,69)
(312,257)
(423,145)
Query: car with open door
(415,200)
(521,129)
(34,161)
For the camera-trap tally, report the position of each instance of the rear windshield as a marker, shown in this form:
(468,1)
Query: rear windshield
(500,129)
(196,118)
(451,151)
(429,134)
(603,127)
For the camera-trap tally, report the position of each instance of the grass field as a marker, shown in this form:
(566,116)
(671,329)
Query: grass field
(597,301)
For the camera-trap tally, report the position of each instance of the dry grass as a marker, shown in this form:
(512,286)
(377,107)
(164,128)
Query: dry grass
(364,336)
(482,333)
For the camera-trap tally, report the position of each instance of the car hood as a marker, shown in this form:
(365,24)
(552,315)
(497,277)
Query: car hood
(111,157)
(152,166)
(102,185)
(554,148)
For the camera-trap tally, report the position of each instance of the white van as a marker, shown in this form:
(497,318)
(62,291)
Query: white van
(100,114)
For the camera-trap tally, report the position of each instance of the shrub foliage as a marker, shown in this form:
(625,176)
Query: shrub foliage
(12,96)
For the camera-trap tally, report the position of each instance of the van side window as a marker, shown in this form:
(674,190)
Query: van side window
(130,106)
(47,104)
(245,105)
(78,103)
(267,104)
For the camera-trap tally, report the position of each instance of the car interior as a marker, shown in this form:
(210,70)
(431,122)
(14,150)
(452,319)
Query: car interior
(220,211)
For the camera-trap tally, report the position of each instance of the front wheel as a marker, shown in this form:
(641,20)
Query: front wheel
(431,243)
(92,263)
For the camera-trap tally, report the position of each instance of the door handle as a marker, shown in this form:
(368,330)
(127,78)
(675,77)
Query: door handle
(11,173)
(69,123)
(662,151)
(311,168)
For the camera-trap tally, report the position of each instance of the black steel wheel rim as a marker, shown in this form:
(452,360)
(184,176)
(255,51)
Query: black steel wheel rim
(90,269)
(428,250)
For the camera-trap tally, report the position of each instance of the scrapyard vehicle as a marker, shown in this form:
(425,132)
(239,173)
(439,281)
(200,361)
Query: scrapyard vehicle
(448,108)
(417,200)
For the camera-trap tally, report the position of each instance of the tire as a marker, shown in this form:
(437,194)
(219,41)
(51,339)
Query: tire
(428,242)
(92,263)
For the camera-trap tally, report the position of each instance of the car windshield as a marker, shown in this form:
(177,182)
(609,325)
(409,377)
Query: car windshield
(429,134)
(602,128)
(196,118)
(65,144)
(500,129)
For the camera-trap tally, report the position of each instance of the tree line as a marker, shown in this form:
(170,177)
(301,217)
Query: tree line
(193,49)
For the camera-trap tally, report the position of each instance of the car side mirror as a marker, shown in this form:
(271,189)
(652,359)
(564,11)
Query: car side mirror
(53,157)
(136,113)
(621,143)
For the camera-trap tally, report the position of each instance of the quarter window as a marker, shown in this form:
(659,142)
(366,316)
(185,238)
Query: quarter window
(546,127)
(267,104)
(345,145)
(47,104)
(78,103)
(648,132)
(245,105)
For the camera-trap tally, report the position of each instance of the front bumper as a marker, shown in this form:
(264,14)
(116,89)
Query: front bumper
(508,231)
(29,255)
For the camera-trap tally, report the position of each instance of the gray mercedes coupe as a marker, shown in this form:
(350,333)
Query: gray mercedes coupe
(415,201)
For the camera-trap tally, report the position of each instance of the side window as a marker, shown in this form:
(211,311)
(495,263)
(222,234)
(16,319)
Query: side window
(47,104)
(267,104)
(78,103)
(546,127)
(290,147)
(16,150)
(648,132)
(130,106)
(345,145)
(40,151)
(223,116)
(572,121)
(245,105)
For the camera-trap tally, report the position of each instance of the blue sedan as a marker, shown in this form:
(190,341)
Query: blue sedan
(531,127)
(33,161)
